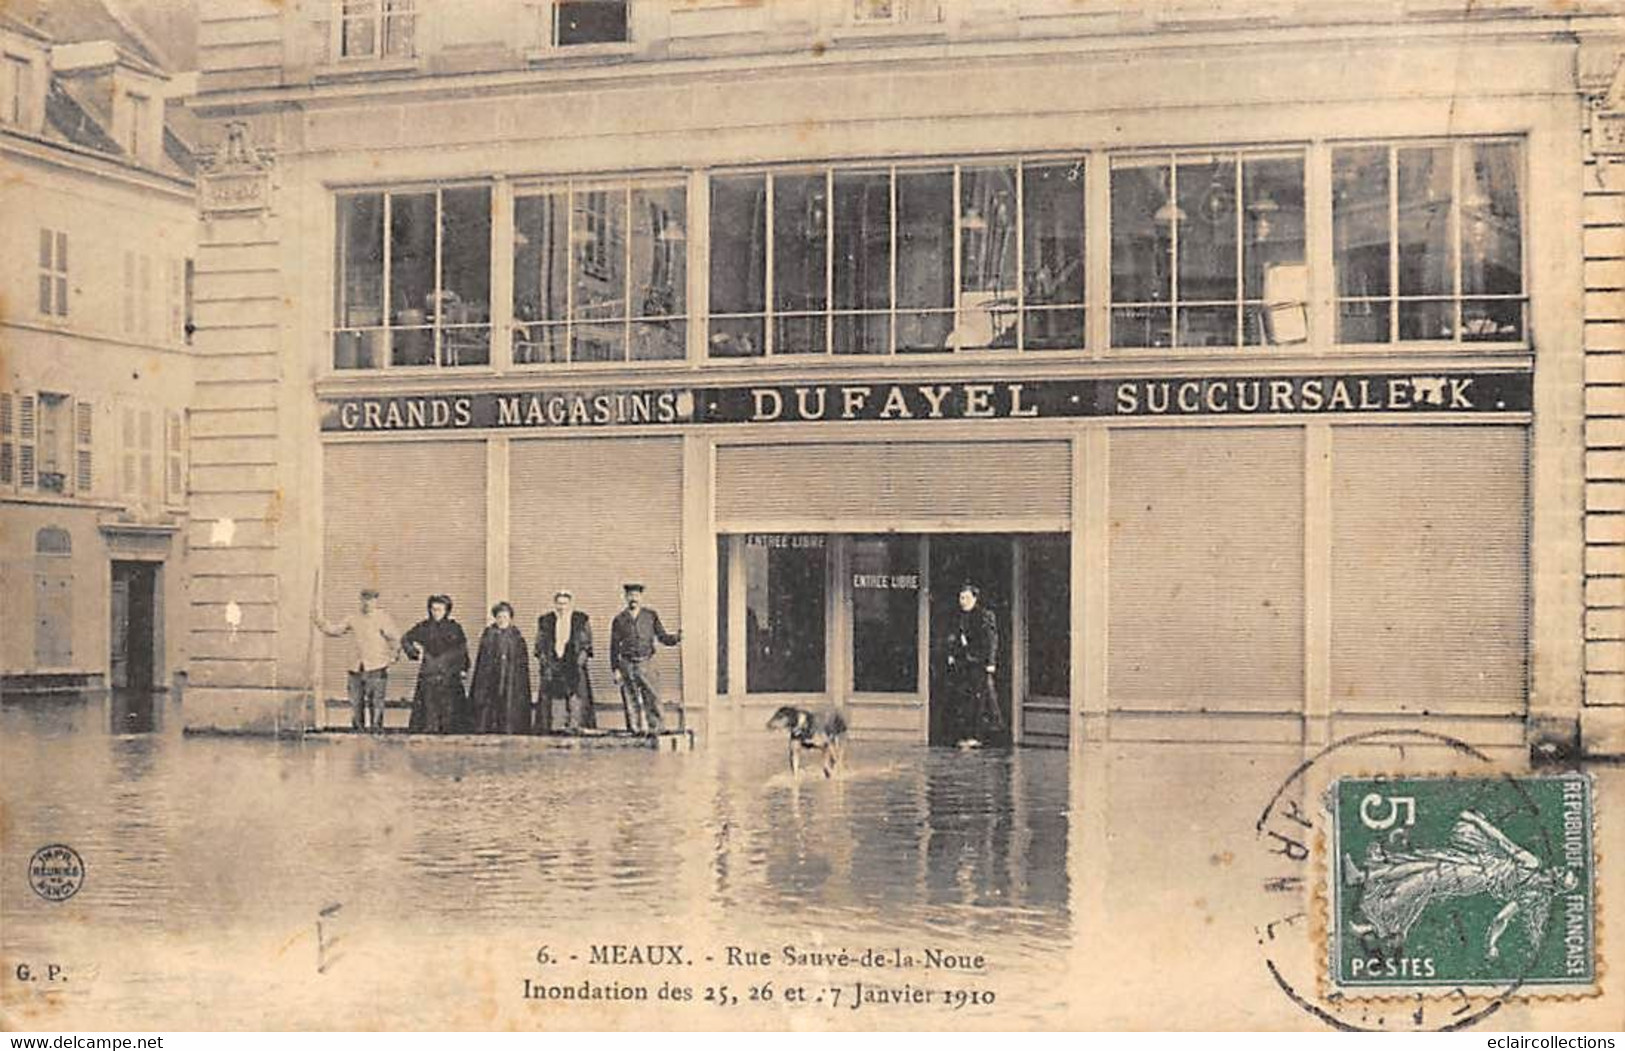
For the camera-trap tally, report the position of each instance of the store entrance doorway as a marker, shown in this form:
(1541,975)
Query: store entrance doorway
(860,621)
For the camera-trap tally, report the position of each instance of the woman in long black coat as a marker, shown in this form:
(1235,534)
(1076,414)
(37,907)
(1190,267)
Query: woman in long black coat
(501,686)
(439,644)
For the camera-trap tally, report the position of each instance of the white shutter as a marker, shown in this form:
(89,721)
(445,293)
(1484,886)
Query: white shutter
(129,294)
(129,453)
(84,476)
(8,439)
(175,446)
(150,480)
(61,275)
(27,429)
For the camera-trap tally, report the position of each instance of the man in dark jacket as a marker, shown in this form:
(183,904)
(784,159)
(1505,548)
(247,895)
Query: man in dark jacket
(632,639)
(972,649)
(563,648)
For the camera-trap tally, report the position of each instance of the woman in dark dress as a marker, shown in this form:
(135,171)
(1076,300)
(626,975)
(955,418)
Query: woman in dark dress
(973,652)
(439,643)
(501,685)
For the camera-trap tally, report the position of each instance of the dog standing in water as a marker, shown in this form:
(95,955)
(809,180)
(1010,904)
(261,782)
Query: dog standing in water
(825,731)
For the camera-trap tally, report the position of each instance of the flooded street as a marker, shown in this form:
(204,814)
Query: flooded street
(453,878)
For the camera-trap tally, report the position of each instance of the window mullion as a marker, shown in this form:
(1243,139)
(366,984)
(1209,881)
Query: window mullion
(569,271)
(1021,253)
(389,277)
(1239,188)
(769,344)
(891,303)
(954,300)
(629,224)
(829,262)
(1097,256)
(1173,252)
(439,303)
(1454,251)
(1393,244)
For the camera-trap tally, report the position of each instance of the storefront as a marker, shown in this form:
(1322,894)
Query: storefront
(1251,391)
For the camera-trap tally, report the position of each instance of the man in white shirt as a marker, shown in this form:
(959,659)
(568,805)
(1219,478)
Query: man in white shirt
(377,640)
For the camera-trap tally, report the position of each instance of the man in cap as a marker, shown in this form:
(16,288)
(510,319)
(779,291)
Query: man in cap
(376,640)
(632,638)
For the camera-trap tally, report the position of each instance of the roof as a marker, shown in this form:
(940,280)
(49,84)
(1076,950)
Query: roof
(77,106)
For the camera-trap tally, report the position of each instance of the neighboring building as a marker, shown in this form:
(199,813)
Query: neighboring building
(98,207)
(1260,359)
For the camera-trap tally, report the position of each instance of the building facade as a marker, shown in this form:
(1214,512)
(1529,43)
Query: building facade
(1259,361)
(98,206)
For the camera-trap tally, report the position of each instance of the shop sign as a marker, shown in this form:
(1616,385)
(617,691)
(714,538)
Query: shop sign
(1449,392)
(886,581)
(784,540)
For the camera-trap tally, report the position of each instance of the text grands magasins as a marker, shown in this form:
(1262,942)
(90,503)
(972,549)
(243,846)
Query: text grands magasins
(1443,392)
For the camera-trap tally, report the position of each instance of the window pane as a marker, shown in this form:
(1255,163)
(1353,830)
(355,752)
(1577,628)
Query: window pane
(1207,233)
(1492,320)
(862,241)
(987,264)
(540,267)
(591,21)
(784,613)
(1052,243)
(412,276)
(1361,235)
(465,255)
(800,244)
(1273,268)
(799,334)
(1207,326)
(925,240)
(465,276)
(358,30)
(1424,221)
(1427,319)
(862,333)
(600,254)
(1491,238)
(738,264)
(398,26)
(598,341)
(1048,582)
(659,252)
(885,614)
(1142,326)
(663,339)
(1143,217)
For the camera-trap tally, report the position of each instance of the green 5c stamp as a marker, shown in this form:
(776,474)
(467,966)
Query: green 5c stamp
(1462,884)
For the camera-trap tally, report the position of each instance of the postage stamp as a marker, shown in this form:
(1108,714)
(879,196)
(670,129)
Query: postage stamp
(1459,884)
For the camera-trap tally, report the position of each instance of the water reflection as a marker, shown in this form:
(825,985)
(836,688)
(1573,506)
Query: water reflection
(204,839)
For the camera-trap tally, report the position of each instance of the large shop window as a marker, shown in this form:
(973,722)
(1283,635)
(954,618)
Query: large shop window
(413,279)
(588,22)
(1429,242)
(1208,250)
(600,273)
(785,589)
(898,260)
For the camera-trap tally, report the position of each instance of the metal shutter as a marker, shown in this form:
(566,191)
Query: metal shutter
(1429,569)
(409,519)
(1206,569)
(588,515)
(932,485)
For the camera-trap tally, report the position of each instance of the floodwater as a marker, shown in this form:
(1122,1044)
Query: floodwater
(360,883)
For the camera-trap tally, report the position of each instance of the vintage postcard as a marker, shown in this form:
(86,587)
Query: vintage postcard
(812,514)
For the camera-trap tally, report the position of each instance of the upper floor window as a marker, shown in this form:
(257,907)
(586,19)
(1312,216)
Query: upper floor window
(376,29)
(53,273)
(588,22)
(14,89)
(46,442)
(600,273)
(876,12)
(413,279)
(140,112)
(1429,242)
(898,259)
(1208,250)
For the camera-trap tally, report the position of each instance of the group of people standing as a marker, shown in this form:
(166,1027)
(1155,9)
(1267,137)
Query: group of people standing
(499,698)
